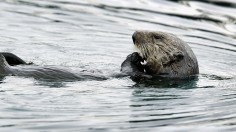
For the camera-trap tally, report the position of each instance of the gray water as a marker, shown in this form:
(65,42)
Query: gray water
(96,35)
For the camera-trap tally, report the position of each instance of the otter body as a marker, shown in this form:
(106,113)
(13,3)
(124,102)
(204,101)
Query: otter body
(14,66)
(165,55)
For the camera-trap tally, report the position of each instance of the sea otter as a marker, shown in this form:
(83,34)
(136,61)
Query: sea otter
(165,55)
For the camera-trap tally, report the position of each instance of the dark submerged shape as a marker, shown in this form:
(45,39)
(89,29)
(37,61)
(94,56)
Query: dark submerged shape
(165,55)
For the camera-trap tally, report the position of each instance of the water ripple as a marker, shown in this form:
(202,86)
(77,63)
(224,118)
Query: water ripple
(96,35)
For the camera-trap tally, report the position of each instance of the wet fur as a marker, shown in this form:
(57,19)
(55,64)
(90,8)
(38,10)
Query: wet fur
(165,54)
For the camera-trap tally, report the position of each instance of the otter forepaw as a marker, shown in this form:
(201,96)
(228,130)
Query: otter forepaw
(136,58)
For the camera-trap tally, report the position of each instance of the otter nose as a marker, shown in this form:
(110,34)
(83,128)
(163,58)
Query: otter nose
(134,36)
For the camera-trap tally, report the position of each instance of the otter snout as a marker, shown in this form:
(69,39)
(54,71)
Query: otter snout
(142,37)
(134,36)
(138,37)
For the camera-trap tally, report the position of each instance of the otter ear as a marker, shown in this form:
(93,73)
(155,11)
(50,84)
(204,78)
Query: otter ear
(178,56)
(175,57)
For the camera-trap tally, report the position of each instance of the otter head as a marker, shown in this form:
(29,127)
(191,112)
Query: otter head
(160,50)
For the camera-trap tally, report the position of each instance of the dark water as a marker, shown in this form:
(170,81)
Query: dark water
(89,34)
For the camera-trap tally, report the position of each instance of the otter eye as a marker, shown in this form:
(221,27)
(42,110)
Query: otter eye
(158,37)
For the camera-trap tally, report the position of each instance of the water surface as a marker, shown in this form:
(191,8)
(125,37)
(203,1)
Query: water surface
(96,35)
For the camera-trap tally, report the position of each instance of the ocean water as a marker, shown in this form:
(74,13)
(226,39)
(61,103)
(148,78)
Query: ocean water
(96,35)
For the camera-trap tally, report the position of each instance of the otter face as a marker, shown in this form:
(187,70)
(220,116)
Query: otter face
(158,49)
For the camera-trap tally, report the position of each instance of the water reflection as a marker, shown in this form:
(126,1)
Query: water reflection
(155,107)
(160,82)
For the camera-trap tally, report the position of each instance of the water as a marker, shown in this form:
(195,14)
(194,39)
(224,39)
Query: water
(96,35)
